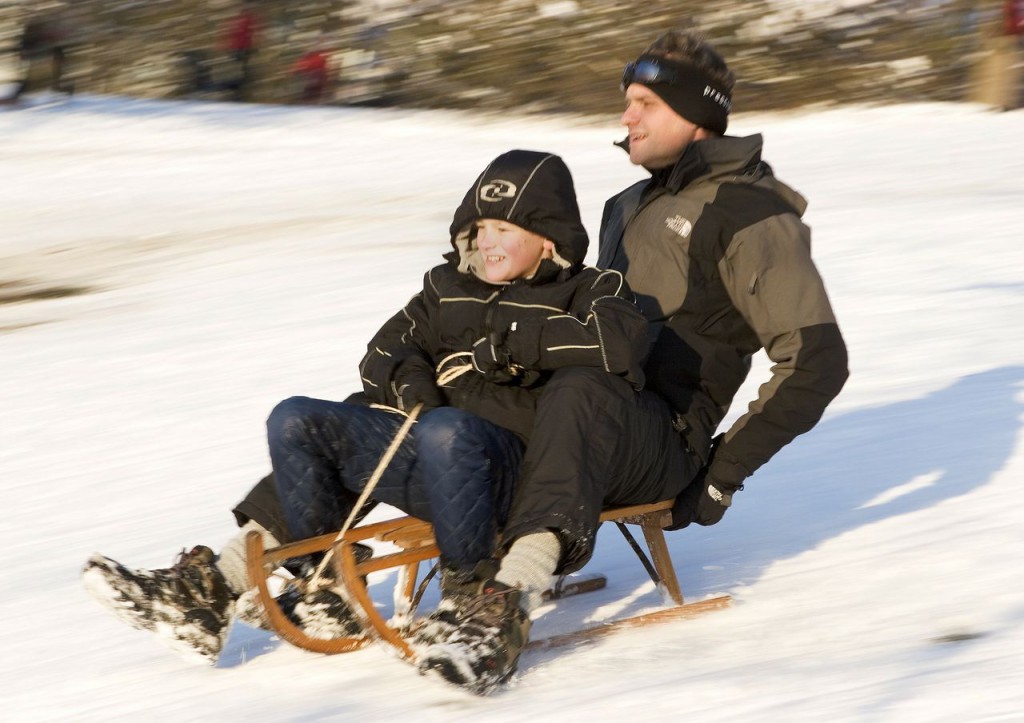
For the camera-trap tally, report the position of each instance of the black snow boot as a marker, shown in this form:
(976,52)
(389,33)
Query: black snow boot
(315,606)
(188,606)
(486,632)
(458,587)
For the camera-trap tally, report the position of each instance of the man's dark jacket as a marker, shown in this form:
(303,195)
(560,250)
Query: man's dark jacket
(715,250)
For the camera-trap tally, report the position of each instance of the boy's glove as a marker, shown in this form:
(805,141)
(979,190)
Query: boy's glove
(419,391)
(492,359)
(418,388)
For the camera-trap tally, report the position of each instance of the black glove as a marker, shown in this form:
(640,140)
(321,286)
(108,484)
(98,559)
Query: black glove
(418,389)
(492,359)
(715,498)
(707,498)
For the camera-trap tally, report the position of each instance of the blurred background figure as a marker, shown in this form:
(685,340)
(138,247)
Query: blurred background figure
(312,74)
(203,77)
(999,70)
(1013,17)
(1013,55)
(240,40)
(41,52)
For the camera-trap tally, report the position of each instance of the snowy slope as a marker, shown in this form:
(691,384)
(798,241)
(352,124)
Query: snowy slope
(200,262)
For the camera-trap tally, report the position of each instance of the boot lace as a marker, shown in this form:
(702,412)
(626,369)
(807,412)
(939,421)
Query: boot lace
(192,575)
(491,607)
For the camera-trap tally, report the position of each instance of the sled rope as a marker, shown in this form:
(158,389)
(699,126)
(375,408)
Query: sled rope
(368,489)
(449,375)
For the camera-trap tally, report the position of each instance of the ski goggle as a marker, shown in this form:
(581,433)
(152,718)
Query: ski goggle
(647,70)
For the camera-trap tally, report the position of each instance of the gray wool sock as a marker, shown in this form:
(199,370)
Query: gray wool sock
(232,559)
(530,565)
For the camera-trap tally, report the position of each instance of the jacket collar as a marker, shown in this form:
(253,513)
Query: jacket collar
(729,155)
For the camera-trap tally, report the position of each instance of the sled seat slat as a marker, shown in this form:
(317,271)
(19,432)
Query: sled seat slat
(416,537)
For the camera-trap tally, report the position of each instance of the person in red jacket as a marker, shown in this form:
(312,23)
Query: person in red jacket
(240,40)
(313,73)
(1013,19)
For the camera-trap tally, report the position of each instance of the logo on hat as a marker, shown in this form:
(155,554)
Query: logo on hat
(497,190)
(719,97)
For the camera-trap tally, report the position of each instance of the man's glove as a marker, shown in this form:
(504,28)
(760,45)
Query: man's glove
(707,498)
(715,498)
(492,359)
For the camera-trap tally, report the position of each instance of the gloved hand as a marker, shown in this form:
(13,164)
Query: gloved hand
(715,498)
(492,359)
(416,389)
(710,494)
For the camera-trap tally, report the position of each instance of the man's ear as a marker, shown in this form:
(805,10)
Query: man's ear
(549,249)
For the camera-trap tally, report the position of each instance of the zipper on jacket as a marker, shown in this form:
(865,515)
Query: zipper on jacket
(491,306)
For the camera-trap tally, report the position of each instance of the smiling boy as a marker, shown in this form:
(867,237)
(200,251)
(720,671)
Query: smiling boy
(512,304)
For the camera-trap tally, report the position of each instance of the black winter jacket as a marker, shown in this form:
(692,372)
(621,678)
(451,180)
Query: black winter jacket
(567,314)
(720,263)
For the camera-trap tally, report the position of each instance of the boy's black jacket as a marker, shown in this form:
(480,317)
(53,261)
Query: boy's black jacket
(567,314)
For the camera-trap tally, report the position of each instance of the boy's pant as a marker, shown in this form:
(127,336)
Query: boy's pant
(596,442)
(453,469)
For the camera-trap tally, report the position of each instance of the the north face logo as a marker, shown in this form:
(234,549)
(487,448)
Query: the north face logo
(497,190)
(680,225)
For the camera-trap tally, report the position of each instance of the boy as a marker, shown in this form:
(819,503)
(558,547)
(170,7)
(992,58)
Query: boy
(512,304)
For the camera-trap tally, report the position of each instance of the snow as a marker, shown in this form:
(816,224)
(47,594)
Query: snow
(236,255)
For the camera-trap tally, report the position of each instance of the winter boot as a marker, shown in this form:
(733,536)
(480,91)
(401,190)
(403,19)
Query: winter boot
(458,587)
(318,608)
(481,653)
(188,605)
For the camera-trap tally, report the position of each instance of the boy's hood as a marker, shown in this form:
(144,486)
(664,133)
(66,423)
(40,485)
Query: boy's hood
(531,189)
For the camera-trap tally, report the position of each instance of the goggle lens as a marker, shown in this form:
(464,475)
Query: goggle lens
(646,72)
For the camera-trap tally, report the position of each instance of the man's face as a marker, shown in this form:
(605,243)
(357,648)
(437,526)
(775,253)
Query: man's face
(657,134)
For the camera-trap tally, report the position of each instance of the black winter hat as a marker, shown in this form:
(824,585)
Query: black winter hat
(531,189)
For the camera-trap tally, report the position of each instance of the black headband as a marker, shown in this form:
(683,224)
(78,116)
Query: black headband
(688,90)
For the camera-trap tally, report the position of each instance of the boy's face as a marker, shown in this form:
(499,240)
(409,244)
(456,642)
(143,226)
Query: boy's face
(509,251)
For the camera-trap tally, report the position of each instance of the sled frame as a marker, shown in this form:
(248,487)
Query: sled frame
(415,540)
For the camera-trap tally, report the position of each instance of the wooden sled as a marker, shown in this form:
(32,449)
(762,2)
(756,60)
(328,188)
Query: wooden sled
(415,540)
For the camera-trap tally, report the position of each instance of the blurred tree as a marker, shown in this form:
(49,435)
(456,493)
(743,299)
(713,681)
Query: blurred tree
(562,56)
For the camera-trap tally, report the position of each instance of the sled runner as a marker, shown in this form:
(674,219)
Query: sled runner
(415,541)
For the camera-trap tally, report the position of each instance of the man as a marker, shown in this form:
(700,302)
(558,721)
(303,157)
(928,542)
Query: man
(714,249)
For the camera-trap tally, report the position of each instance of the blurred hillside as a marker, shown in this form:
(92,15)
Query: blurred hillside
(559,55)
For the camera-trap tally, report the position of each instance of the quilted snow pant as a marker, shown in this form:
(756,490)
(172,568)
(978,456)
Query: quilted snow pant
(454,469)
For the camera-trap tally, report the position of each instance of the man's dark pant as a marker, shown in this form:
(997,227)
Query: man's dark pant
(596,443)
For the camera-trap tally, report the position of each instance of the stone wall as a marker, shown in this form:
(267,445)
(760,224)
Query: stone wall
(558,55)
